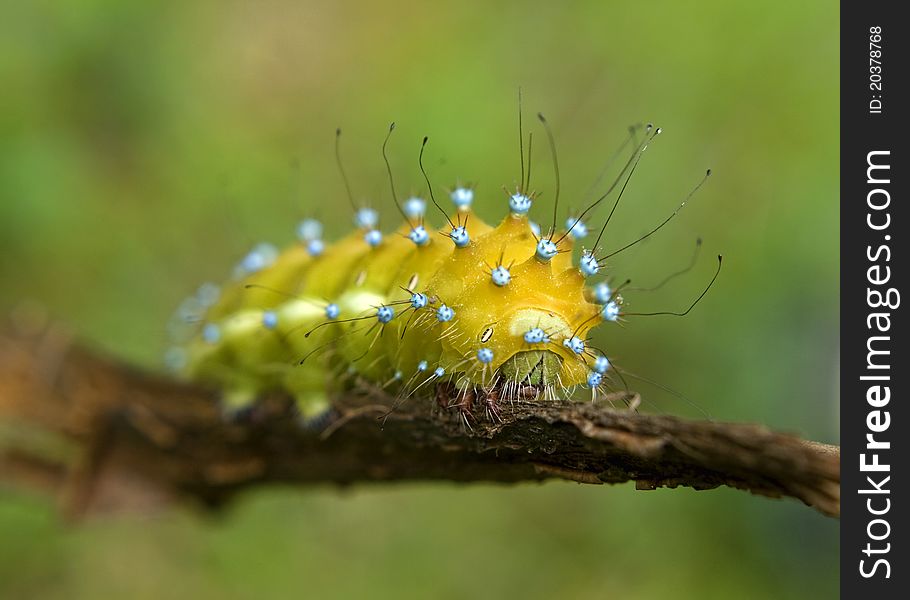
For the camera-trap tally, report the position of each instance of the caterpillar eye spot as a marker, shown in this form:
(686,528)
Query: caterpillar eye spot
(361,278)
(413,281)
(486,335)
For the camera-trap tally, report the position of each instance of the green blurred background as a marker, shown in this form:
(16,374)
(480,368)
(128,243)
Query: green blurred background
(145,146)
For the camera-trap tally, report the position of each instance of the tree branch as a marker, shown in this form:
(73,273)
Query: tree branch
(105,436)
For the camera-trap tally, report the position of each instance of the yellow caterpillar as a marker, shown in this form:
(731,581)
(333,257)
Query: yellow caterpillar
(482,307)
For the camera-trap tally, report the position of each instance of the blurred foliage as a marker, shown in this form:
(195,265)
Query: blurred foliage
(145,146)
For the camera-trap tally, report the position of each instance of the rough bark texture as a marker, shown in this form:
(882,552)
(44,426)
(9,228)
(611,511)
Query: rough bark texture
(105,436)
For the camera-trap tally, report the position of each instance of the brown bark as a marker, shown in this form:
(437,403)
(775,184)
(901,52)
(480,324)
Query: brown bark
(105,436)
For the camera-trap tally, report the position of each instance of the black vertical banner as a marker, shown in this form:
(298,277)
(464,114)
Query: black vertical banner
(875,437)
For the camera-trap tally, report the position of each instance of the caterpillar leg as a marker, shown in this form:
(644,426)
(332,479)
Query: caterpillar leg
(312,404)
(491,404)
(236,401)
(449,397)
(308,387)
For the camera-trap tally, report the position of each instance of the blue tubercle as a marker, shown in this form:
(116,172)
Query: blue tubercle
(546,249)
(211,333)
(260,257)
(315,247)
(190,310)
(610,311)
(309,229)
(459,235)
(595,379)
(576,229)
(422,365)
(366,218)
(501,276)
(601,364)
(373,237)
(485,355)
(332,311)
(419,235)
(415,207)
(208,294)
(575,344)
(419,300)
(588,264)
(385,314)
(270,319)
(602,293)
(536,335)
(175,358)
(444,314)
(519,204)
(439,372)
(462,197)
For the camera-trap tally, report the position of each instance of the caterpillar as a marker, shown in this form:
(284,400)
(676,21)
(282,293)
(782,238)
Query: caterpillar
(479,307)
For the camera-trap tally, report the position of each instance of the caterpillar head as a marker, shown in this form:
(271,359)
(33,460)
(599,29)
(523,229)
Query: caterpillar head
(520,314)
